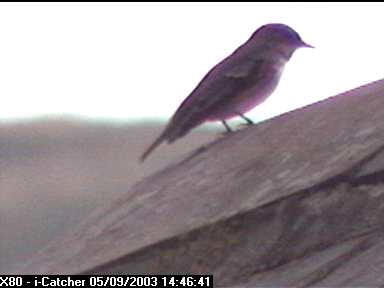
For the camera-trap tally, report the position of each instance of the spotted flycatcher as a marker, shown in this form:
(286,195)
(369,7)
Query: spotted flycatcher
(237,84)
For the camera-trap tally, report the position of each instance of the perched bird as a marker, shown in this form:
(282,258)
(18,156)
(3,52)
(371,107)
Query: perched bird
(236,84)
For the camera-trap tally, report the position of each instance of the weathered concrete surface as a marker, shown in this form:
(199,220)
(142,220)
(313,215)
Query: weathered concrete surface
(55,171)
(294,201)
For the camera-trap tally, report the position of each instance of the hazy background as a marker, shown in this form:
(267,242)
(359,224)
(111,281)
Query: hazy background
(140,60)
(84,87)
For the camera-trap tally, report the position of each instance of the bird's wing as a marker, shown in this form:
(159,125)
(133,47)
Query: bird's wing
(227,79)
(224,81)
(220,81)
(242,70)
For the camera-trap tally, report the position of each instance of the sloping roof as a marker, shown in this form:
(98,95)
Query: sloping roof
(297,201)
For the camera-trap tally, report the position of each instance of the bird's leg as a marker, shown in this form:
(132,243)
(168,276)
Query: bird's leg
(226,126)
(249,121)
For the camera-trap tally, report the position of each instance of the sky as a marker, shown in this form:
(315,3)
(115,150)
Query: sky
(138,61)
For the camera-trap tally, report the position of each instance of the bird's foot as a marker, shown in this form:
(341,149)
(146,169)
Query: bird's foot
(227,129)
(244,125)
(247,120)
(225,133)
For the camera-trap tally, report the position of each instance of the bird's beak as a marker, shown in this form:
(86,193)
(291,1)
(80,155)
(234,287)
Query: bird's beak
(305,45)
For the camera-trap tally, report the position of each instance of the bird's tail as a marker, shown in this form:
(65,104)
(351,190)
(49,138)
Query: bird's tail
(172,132)
(153,146)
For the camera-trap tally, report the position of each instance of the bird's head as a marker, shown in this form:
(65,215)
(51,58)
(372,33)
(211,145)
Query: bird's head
(279,36)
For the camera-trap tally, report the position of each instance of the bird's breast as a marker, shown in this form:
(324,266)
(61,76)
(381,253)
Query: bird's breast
(250,97)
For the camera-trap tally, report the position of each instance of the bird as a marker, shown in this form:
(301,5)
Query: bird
(236,84)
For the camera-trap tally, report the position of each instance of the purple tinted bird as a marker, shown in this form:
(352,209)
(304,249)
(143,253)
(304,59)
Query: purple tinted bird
(237,84)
